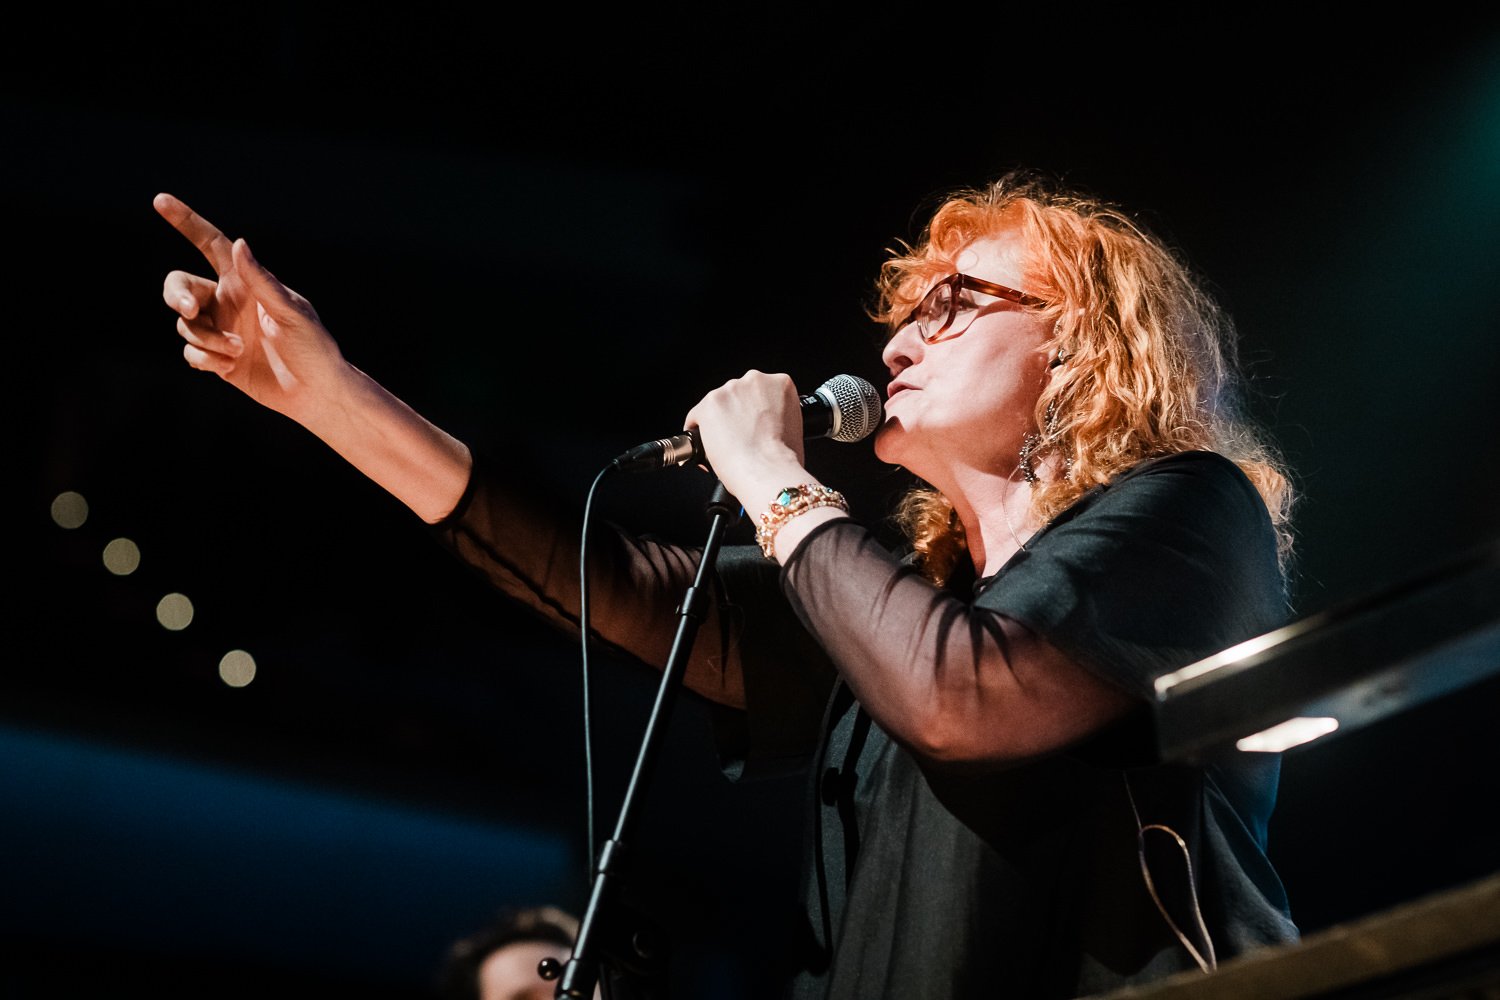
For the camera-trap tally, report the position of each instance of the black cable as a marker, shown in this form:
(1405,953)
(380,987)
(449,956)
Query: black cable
(583,630)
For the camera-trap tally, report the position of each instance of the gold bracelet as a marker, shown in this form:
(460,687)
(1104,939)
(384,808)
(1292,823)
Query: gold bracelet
(788,504)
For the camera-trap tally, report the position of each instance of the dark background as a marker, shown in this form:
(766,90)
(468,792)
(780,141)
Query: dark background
(552,237)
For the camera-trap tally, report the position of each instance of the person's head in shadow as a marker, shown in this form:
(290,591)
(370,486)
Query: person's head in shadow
(499,961)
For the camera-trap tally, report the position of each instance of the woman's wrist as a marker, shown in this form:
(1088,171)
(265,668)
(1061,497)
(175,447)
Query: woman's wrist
(320,403)
(789,510)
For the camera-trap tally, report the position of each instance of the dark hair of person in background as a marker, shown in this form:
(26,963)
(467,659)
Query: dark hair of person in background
(460,975)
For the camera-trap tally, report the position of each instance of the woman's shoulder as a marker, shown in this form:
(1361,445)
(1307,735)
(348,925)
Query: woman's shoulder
(1200,487)
(1200,463)
(1194,472)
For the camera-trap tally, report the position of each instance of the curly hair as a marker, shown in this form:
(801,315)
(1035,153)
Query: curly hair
(1150,360)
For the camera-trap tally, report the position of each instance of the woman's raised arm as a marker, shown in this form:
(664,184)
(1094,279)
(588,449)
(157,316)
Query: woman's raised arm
(266,340)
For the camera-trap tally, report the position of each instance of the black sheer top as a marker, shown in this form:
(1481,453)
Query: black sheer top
(924,879)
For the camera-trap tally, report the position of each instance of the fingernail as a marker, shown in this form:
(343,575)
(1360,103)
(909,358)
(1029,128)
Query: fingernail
(185,304)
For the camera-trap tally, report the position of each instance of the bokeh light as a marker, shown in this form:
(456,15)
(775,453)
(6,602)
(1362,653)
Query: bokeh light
(70,510)
(174,612)
(237,668)
(122,557)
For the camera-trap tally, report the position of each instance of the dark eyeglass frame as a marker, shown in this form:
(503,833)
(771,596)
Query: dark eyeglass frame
(954,282)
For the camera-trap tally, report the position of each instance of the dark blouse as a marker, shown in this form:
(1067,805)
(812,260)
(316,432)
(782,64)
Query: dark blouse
(928,880)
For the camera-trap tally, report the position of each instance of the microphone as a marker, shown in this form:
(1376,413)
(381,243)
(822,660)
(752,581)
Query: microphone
(845,408)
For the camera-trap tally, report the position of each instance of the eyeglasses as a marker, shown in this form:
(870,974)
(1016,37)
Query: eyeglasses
(945,311)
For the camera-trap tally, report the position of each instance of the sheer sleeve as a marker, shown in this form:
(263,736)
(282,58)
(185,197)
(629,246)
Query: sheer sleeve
(750,651)
(1174,561)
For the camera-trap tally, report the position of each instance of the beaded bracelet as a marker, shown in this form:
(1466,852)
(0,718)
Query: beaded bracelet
(788,504)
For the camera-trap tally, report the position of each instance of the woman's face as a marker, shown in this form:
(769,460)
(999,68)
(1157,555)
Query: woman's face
(967,400)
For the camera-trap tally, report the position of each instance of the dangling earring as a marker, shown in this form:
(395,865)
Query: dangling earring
(1033,441)
(1028,447)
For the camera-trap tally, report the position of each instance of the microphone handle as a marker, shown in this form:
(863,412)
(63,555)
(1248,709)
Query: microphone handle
(681,449)
(817,415)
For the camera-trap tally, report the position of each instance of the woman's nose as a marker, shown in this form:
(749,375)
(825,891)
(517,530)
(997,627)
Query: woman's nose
(903,350)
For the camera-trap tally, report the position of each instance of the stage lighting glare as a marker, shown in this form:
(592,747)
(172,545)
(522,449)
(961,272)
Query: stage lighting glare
(237,668)
(174,612)
(122,557)
(70,510)
(1288,734)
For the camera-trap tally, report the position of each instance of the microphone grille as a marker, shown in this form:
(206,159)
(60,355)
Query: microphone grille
(856,406)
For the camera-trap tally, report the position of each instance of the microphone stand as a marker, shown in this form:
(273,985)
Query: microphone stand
(638,970)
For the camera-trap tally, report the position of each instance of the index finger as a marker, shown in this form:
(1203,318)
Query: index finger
(204,235)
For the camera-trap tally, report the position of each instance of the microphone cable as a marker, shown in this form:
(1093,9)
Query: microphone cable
(583,631)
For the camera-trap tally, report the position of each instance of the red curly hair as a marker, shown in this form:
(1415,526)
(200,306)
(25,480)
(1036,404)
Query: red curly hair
(1151,364)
